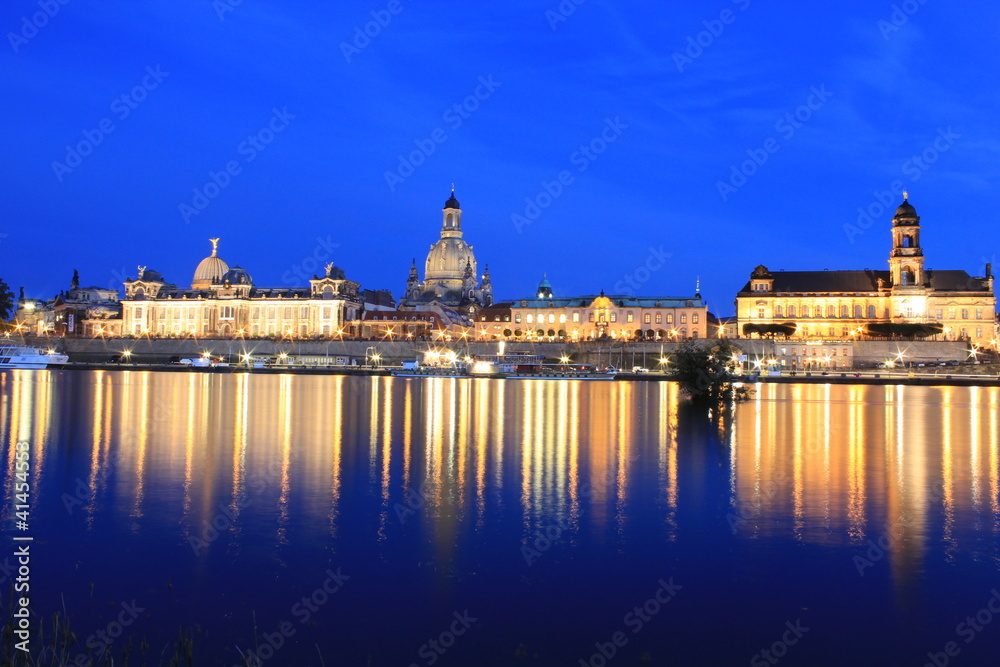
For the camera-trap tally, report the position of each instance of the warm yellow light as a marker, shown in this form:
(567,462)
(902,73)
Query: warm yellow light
(482,367)
(564,360)
(206,354)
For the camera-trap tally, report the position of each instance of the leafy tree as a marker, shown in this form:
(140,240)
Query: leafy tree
(706,375)
(7,302)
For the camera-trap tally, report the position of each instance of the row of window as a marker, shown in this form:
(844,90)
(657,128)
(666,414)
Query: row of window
(229,313)
(845,332)
(647,318)
(859,312)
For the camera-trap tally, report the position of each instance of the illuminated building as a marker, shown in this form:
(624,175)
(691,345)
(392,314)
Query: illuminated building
(223,301)
(839,305)
(590,317)
(450,287)
(86,311)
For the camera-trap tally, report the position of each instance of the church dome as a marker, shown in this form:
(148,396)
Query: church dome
(211,269)
(545,288)
(237,276)
(452,202)
(447,260)
(905,209)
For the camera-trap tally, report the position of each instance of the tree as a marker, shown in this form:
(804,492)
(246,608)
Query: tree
(706,375)
(772,330)
(7,302)
(903,329)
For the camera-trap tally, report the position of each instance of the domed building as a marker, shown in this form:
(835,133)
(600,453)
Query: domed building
(210,270)
(224,302)
(450,285)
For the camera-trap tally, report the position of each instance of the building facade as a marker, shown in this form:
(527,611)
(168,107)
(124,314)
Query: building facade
(591,317)
(86,311)
(224,302)
(451,286)
(839,305)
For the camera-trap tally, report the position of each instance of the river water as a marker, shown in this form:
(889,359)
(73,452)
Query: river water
(332,520)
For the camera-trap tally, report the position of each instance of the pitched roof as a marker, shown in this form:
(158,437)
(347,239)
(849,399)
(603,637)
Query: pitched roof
(816,282)
(619,300)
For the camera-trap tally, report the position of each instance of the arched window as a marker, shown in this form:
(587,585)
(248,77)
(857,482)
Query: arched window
(845,312)
(831,311)
(871,312)
(778,311)
(791,311)
(858,312)
(908,276)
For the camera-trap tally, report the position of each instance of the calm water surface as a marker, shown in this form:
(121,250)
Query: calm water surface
(535,519)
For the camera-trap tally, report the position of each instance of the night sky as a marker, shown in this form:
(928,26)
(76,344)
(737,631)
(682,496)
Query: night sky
(589,141)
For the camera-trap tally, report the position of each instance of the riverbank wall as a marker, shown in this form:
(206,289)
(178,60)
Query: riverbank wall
(624,355)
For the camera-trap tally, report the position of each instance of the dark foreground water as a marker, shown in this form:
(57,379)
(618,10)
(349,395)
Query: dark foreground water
(384,521)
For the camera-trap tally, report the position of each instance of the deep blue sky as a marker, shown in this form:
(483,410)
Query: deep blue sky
(894,88)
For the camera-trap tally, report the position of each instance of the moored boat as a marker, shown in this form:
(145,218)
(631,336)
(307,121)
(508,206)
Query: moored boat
(17,356)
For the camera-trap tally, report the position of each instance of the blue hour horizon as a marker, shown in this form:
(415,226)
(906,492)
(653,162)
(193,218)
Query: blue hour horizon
(580,138)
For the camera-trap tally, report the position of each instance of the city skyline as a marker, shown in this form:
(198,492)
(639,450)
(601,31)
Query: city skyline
(301,137)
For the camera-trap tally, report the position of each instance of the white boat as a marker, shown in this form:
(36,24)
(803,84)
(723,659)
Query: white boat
(12,356)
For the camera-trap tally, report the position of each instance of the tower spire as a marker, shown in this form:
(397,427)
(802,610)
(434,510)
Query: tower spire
(215,247)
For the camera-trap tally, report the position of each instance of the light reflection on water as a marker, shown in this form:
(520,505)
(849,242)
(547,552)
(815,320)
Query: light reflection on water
(820,463)
(296,461)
